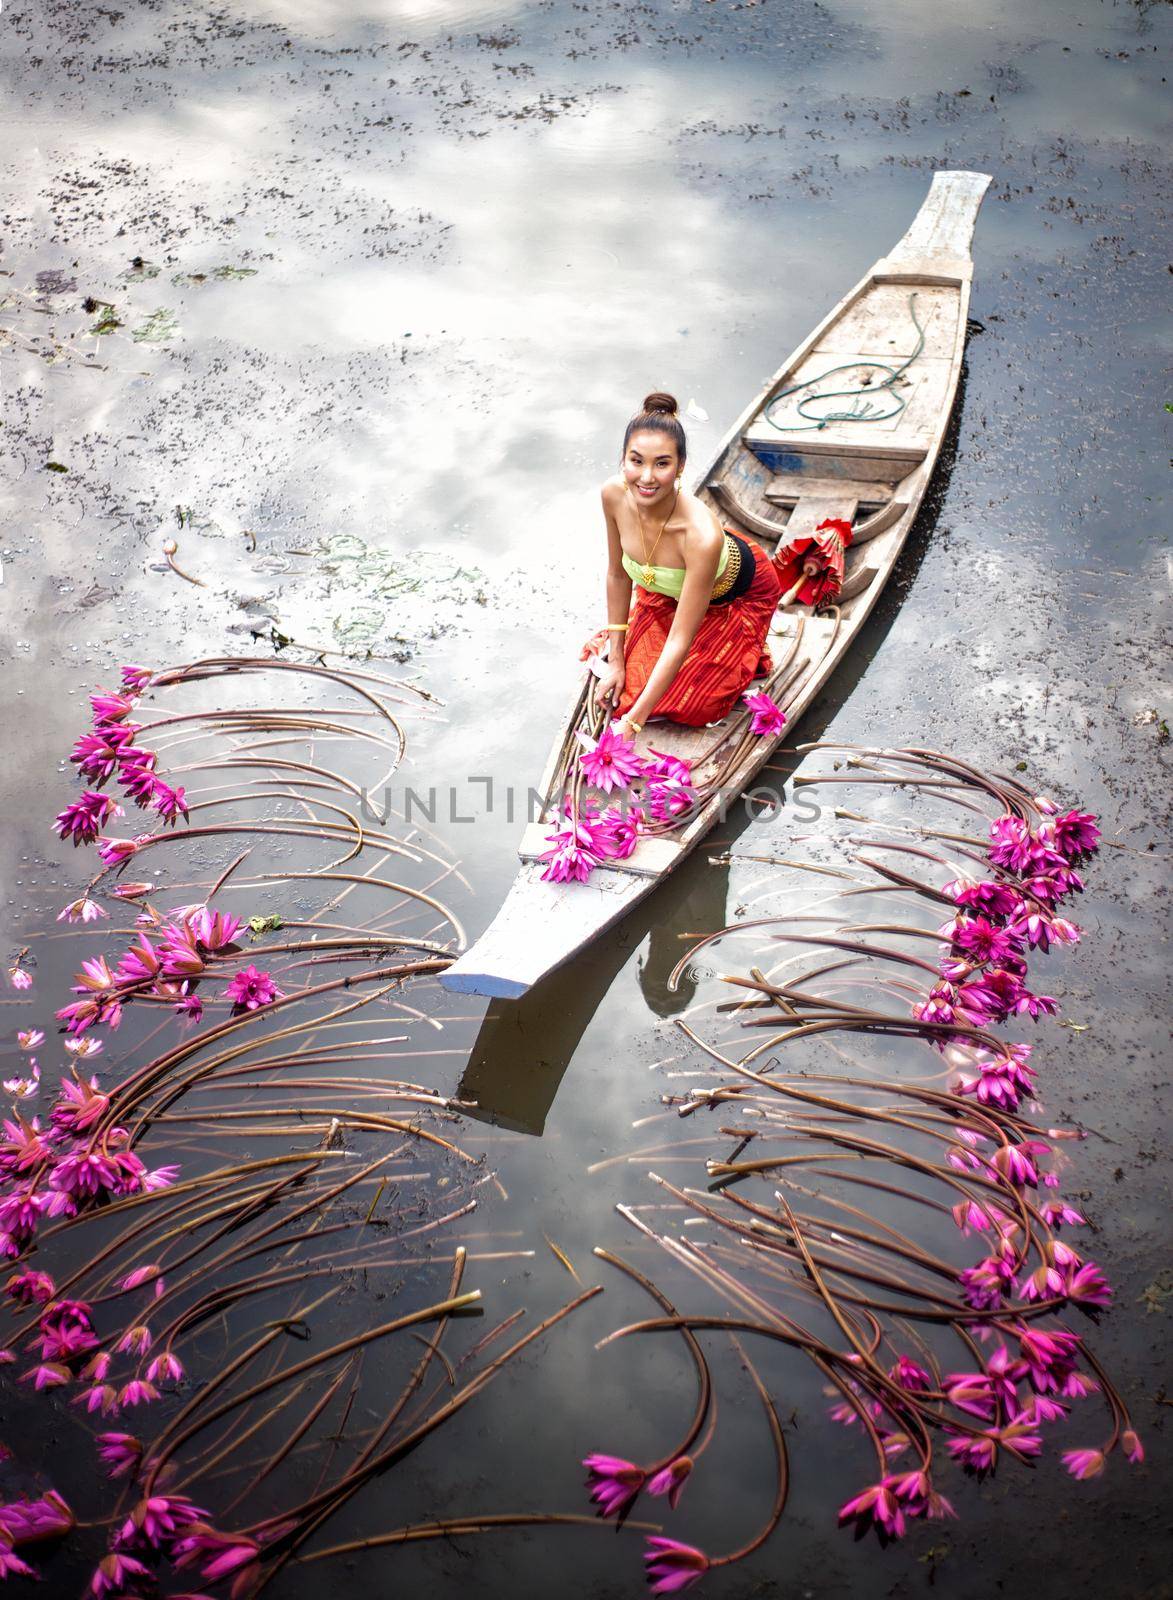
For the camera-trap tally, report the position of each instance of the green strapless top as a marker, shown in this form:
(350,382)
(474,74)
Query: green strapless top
(667,580)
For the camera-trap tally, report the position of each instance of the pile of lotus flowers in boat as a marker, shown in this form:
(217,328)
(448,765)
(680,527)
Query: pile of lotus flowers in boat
(634,793)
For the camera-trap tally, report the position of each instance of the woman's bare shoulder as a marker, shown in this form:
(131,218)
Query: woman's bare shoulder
(611,493)
(702,532)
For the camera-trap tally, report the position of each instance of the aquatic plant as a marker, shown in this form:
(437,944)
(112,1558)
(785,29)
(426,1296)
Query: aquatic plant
(935,1354)
(181,1222)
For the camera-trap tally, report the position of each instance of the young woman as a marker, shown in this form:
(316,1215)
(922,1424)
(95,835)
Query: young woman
(696,635)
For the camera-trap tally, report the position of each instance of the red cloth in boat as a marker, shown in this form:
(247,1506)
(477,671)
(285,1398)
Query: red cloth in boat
(826,546)
(728,652)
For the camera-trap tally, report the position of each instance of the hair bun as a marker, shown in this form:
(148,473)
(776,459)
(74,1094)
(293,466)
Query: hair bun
(659,404)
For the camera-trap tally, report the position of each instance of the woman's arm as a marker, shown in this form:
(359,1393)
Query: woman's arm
(702,552)
(618,605)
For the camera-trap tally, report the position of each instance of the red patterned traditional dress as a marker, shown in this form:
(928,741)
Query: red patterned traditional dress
(729,649)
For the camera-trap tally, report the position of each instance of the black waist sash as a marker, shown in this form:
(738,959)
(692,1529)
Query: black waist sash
(745,573)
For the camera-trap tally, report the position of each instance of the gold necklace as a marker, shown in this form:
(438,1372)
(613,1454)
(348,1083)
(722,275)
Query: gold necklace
(646,572)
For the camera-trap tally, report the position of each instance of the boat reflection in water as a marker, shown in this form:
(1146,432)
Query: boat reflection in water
(524,1046)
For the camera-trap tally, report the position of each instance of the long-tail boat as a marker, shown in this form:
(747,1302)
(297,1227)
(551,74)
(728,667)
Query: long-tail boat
(849,428)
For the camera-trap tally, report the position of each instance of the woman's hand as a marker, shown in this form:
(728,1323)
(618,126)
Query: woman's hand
(610,683)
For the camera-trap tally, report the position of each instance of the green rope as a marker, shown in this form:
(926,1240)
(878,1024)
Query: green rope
(866,412)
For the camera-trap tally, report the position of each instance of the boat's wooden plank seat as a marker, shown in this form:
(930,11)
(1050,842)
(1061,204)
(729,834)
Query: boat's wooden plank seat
(787,489)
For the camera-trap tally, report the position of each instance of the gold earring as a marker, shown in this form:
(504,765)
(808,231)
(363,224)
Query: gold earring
(679,481)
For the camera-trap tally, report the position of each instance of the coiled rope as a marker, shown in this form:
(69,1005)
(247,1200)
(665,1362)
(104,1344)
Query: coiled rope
(866,412)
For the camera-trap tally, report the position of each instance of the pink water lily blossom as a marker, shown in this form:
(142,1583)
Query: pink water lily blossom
(670,1479)
(82,910)
(767,719)
(120,1453)
(614,1483)
(115,1572)
(875,1507)
(1083,1464)
(567,860)
(1131,1445)
(135,679)
(250,989)
(609,762)
(20,977)
(668,798)
(672,1567)
(658,765)
(110,707)
(617,831)
(84,818)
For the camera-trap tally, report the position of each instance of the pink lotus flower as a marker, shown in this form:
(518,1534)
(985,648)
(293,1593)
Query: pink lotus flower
(993,899)
(47,1375)
(659,766)
(672,1566)
(1130,1442)
(1057,1213)
(25,1088)
(84,1047)
(218,1554)
(137,1392)
(140,1275)
(165,1368)
(910,1375)
(670,1480)
(614,1483)
(110,707)
(876,1507)
(84,1172)
(120,1453)
(669,797)
(23,1521)
(980,940)
(617,831)
(169,803)
(215,930)
(767,719)
(132,891)
(1083,1463)
(84,818)
(179,955)
(19,977)
(138,778)
(11,1566)
(610,761)
(30,1288)
(1087,1286)
(115,1572)
(158,1519)
(135,679)
(136,1340)
(970,1391)
(1075,834)
(250,989)
(115,851)
(1011,843)
(30,1038)
(101,1397)
(83,910)
(567,861)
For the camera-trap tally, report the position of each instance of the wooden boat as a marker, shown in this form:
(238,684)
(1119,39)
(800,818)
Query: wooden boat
(778,474)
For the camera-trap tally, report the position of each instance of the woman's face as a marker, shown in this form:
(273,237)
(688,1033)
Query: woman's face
(650,467)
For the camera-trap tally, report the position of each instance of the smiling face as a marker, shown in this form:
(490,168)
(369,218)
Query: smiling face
(650,466)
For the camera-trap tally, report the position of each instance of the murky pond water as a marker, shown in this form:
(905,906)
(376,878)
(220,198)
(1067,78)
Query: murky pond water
(351,301)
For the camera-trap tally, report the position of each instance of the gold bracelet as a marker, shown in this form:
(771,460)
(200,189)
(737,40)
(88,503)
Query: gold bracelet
(618,627)
(636,727)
